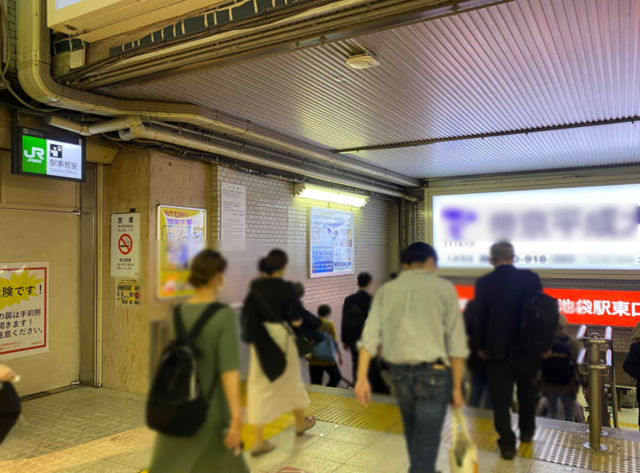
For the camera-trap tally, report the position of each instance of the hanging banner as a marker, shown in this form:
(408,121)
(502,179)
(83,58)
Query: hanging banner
(584,306)
(24,309)
(127,292)
(125,245)
(182,232)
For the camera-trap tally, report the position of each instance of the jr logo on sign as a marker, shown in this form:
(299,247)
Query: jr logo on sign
(33,154)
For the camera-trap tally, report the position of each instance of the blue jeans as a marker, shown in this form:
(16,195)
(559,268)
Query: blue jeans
(568,401)
(480,392)
(423,395)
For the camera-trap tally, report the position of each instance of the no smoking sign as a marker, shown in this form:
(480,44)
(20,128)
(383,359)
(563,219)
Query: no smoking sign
(125,244)
(125,250)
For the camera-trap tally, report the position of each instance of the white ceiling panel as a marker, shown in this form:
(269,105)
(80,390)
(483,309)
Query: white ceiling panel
(525,64)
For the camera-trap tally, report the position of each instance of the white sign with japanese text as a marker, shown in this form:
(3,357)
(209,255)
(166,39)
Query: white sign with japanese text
(24,309)
(233,211)
(125,245)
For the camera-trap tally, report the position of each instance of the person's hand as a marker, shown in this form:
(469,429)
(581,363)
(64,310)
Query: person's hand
(340,360)
(6,374)
(457,399)
(547,354)
(363,391)
(232,441)
(482,355)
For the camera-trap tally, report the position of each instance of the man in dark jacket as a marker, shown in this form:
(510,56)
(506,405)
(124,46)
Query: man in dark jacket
(500,298)
(354,315)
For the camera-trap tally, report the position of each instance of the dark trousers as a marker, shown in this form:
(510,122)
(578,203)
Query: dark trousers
(480,397)
(318,371)
(355,355)
(423,395)
(502,376)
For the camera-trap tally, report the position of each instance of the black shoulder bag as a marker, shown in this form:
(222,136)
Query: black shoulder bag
(305,346)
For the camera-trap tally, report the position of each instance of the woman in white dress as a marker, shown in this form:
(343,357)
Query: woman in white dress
(271,311)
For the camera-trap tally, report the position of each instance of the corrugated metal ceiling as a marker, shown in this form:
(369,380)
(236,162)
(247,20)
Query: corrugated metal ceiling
(525,64)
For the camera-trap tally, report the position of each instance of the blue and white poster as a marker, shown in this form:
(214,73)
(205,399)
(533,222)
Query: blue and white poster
(331,235)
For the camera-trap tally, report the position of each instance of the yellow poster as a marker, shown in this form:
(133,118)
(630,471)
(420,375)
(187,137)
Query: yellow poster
(24,309)
(127,292)
(182,233)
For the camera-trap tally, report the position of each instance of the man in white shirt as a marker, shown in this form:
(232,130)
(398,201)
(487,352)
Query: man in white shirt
(416,321)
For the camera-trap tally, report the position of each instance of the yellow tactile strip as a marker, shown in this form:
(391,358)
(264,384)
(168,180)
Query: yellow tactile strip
(550,445)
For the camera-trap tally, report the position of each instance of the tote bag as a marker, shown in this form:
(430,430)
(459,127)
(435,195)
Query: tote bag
(463,455)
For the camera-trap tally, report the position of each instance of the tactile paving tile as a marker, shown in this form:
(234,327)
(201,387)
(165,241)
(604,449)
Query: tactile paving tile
(550,445)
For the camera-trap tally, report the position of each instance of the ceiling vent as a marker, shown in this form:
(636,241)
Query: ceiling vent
(362,61)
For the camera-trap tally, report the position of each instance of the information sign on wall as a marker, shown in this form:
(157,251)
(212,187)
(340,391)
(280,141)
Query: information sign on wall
(43,154)
(182,232)
(331,237)
(127,292)
(125,245)
(233,212)
(24,309)
(583,306)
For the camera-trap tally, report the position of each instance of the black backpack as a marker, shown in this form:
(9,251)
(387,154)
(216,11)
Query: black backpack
(559,369)
(539,324)
(354,324)
(176,404)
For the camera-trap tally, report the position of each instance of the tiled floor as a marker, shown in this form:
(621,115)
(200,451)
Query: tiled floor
(101,431)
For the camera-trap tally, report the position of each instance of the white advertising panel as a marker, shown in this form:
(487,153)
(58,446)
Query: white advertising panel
(331,235)
(584,228)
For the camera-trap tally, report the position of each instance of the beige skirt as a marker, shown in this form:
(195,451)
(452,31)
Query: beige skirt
(269,400)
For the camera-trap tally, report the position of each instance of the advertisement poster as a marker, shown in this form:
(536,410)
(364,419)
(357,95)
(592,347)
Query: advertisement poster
(574,228)
(233,212)
(585,306)
(24,309)
(127,292)
(125,243)
(331,235)
(182,233)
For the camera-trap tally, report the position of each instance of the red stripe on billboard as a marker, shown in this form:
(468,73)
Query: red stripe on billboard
(583,306)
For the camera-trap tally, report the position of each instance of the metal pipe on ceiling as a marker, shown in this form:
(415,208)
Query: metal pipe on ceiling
(132,128)
(496,134)
(34,73)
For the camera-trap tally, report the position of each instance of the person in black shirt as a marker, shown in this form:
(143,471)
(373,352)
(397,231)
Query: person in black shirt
(354,315)
(500,298)
(272,310)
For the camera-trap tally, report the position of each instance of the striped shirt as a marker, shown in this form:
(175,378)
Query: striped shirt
(416,319)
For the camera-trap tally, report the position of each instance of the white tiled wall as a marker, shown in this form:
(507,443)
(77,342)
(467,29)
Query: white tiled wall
(277,219)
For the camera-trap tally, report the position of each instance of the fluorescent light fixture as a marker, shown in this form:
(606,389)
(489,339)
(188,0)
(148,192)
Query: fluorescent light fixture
(310,191)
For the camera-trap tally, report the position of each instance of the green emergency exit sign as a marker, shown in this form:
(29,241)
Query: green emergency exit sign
(45,154)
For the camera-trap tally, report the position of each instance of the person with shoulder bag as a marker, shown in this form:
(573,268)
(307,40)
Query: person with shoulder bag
(194,403)
(560,373)
(631,364)
(272,310)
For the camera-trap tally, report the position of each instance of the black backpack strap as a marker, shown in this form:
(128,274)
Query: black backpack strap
(208,313)
(178,323)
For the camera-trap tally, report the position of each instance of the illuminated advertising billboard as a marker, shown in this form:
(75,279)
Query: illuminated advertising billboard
(578,228)
(585,306)
(53,155)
